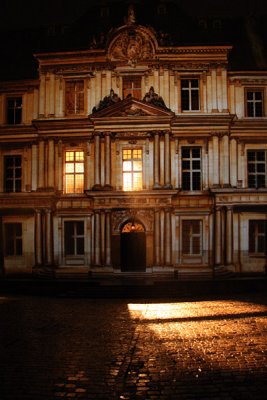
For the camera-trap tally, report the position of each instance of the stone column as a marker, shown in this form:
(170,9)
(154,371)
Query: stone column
(34,167)
(102,237)
(97,238)
(48,237)
(224,91)
(51,164)
(218,236)
(108,238)
(156,161)
(35,103)
(229,235)
(240,165)
(162,235)
(52,96)
(38,237)
(214,90)
(225,150)
(216,169)
(41,164)
(167,237)
(97,185)
(42,96)
(233,162)
(107,185)
(59,165)
(167,161)
(157,237)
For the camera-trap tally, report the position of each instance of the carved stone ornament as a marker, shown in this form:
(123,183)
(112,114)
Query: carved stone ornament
(119,218)
(107,101)
(132,46)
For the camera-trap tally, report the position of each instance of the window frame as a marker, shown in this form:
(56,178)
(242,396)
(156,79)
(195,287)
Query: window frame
(254,223)
(15,109)
(133,89)
(254,90)
(76,236)
(76,93)
(17,251)
(191,237)
(190,78)
(14,179)
(256,173)
(191,170)
(132,171)
(74,173)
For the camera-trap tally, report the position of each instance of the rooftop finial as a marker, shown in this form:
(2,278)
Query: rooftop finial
(131,15)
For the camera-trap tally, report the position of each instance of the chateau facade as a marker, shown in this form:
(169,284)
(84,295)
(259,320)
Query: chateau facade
(135,157)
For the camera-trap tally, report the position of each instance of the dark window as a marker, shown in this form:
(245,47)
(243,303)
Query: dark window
(74,97)
(191,237)
(13,239)
(132,86)
(14,110)
(190,94)
(257,236)
(12,173)
(256,160)
(74,238)
(191,168)
(254,103)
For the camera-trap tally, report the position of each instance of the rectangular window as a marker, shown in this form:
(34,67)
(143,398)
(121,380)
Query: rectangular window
(74,238)
(74,97)
(191,237)
(12,173)
(257,236)
(254,102)
(132,86)
(13,239)
(74,171)
(132,169)
(14,110)
(257,167)
(189,94)
(191,168)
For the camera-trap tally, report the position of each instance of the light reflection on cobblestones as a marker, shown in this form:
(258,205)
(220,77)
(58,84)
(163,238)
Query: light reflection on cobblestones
(114,349)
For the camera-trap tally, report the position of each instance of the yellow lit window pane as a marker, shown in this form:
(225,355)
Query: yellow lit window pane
(79,155)
(78,183)
(137,166)
(69,155)
(137,181)
(137,153)
(127,165)
(127,181)
(70,184)
(69,168)
(79,167)
(127,154)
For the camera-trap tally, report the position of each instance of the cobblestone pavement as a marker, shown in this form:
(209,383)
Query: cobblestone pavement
(63,348)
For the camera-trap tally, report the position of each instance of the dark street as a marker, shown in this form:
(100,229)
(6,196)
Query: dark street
(80,348)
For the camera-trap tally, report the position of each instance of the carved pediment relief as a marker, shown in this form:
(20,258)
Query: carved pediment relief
(132,44)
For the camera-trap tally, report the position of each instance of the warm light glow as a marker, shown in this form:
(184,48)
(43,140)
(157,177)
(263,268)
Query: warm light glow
(132,169)
(74,171)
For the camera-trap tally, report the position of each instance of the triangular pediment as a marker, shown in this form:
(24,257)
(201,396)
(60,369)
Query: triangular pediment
(131,107)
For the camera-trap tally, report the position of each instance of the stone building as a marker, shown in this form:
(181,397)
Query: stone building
(137,155)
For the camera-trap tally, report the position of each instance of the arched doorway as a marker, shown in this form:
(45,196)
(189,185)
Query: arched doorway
(133,247)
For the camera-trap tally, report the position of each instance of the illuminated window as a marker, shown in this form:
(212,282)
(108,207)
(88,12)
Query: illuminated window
(14,110)
(74,97)
(132,169)
(191,237)
(257,236)
(74,238)
(257,160)
(74,172)
(13,239)
(132,86)
(254,103)
(12,173)
(191,168)
(190,94)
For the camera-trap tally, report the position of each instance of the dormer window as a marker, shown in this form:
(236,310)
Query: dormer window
(104,12)
(132,86)
(74,97)
(254,102)
(161,9)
